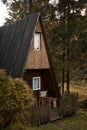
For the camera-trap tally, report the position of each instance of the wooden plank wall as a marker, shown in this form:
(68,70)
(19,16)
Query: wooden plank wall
(47,83)
(37,59)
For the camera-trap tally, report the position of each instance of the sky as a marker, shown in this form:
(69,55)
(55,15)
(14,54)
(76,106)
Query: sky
(3,13)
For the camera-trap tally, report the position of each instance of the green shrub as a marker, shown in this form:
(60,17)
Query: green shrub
(16,98)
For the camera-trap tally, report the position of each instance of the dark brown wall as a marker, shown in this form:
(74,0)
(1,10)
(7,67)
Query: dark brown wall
(28,76)
(47,83)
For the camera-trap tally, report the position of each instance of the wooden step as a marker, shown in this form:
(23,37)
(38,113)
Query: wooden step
(55,118)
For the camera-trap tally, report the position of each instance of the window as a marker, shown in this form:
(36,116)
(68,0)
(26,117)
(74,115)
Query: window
(36,83)
(37,41)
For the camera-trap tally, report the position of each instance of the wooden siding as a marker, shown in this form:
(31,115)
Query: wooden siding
(37,59)
(47,84)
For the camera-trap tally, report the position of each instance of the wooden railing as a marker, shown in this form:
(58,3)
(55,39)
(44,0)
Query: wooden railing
(52,101)
(69,104)
(49,109)
(40,114)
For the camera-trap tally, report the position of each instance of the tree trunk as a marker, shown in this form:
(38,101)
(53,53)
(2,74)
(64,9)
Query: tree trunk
(63,72)
(68,47)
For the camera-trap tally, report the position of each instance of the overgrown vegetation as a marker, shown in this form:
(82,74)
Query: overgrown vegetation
(16,98)
(82,90)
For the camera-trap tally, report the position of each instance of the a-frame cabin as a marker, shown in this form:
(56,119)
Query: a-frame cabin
(24,53)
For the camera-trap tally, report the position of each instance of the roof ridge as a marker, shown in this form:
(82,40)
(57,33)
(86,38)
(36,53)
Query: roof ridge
(28,16)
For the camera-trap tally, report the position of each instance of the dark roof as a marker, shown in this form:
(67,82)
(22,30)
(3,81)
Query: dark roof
(15,39)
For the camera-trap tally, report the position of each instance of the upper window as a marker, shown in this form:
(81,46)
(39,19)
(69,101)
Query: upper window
(37,41)
(36,83)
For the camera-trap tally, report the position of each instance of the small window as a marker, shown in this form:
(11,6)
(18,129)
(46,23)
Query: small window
(36,83)
(37,41)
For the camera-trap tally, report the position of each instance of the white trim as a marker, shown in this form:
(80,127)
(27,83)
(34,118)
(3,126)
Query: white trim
(37,41)
(39,83)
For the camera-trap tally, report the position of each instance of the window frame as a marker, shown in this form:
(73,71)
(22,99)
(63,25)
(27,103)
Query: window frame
(39,78)
(38,46)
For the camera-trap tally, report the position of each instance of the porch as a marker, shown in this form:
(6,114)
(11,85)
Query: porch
(47,110)
(50,109)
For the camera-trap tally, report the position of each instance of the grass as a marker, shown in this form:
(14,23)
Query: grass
(78,122)
(81,89)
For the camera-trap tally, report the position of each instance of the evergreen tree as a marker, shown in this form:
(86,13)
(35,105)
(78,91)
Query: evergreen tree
(70,12)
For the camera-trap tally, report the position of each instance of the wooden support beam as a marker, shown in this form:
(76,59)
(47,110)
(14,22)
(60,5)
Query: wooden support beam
(50,100)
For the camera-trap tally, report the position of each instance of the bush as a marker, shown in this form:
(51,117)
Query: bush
(16,98)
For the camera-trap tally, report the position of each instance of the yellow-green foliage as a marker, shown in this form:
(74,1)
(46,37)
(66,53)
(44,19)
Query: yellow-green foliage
(16,98)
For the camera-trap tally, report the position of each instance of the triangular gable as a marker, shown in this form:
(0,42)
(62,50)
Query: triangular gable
(37,59)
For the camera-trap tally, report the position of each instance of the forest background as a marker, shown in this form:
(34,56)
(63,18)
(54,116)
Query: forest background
(65,24)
